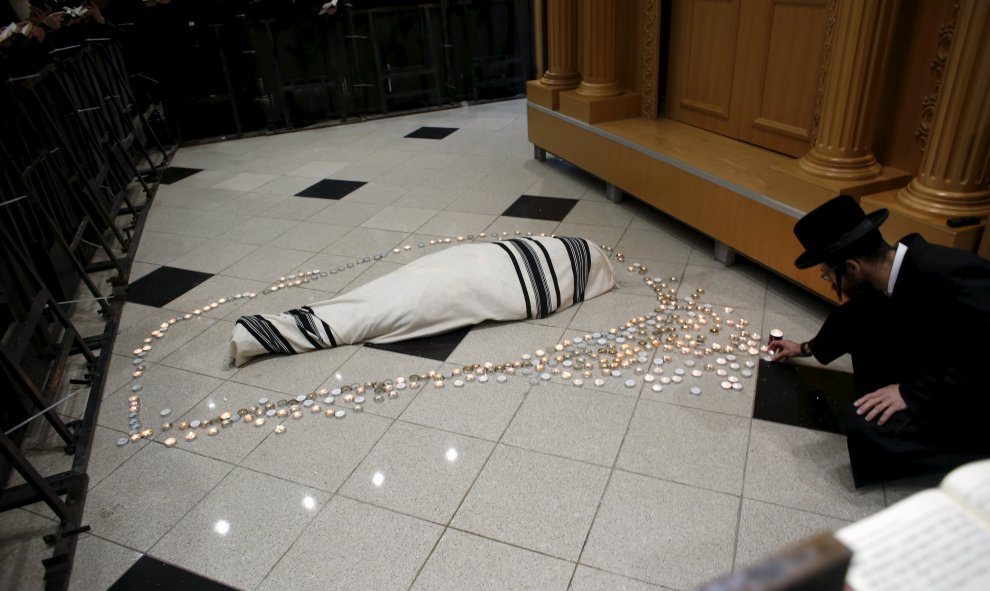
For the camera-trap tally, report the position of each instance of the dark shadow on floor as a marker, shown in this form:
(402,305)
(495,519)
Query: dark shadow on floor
(803,396)
(437,347)
(150,573)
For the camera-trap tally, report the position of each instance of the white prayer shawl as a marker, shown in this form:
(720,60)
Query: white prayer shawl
(461,286)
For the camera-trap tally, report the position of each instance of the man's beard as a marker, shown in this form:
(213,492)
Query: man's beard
(854,292)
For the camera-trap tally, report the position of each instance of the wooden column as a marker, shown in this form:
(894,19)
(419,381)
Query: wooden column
(562,29)
(650,54)
(598,50)
(843,146)
(954,179)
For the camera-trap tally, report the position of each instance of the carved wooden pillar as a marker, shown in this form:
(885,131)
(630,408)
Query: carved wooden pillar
(954,178)
(650,59)
(598,50)
(562,30)
(843,147)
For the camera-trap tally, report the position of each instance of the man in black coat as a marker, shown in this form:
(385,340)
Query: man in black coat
(917,325)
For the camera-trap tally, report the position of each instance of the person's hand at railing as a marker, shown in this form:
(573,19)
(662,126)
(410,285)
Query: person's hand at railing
(93,11)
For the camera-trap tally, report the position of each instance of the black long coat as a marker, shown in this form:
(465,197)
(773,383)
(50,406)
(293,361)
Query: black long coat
(931,336)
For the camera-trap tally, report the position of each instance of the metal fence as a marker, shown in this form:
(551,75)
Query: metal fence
(79,159)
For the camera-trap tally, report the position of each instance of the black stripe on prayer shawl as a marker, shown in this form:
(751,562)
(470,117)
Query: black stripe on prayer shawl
(265,333)
(536,275)
(326,327)
(580,255)
(306,326)
(553,272)
(522,282)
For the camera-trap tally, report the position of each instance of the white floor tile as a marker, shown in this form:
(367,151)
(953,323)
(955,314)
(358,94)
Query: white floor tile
(310,236)
(418,471)
(369,241)
(319,169)
(118,508)
(258,230)
(245,181)
(465,561)
(806,470)
(400,219)
(297,208)
(554,419)
(649,244)
(539,502)
(663,533)
(452,224)
(212,256)
(766,529)
(22,549)
(268,263)
(226,538)
(478,410)
(284,185)
(206,353)
(377,193)
(98,563)
(333,448)
(695,447)
(592,579)
(161,248)
(368,547)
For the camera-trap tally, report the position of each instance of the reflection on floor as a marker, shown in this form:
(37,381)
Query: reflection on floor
(488,486)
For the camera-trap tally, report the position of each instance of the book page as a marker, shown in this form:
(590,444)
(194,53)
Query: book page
(970,485)
(926,542)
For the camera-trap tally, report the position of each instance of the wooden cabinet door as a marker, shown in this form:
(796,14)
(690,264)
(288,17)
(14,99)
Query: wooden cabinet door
(748,69)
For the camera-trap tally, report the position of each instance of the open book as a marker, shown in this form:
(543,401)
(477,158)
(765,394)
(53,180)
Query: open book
(936,539)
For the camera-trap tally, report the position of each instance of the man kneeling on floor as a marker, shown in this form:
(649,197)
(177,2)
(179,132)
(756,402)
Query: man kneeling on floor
(917,325)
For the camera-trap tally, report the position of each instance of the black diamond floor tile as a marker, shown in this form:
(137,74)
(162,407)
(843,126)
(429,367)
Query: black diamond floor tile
(438,347)
(432,133)
(174,174)
(150,573)
(163,285)
(554,209)
(803,396)
(330,189)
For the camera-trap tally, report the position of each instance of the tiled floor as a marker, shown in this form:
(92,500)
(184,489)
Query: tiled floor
(492,486)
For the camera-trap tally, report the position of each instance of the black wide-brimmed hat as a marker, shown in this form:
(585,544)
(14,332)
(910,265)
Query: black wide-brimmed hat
(830,229)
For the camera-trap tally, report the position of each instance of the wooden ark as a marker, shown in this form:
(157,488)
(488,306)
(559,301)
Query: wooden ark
(739,116)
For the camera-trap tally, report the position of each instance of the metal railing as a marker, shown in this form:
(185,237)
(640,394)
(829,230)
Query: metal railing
(79,162)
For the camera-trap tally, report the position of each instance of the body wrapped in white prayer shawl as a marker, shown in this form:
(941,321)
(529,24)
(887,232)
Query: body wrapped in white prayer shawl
(461,286)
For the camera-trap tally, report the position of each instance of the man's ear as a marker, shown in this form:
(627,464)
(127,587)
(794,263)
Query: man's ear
(853,266)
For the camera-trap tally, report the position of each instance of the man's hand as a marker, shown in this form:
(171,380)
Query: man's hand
(54,20)
(884,402)
(93,12)
(784,349)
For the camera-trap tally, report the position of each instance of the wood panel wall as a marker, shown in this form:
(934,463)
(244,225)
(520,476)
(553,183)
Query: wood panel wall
(911,78)
(748,69)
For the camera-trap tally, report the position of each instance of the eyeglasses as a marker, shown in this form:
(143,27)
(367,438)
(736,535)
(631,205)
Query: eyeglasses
(834,271)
